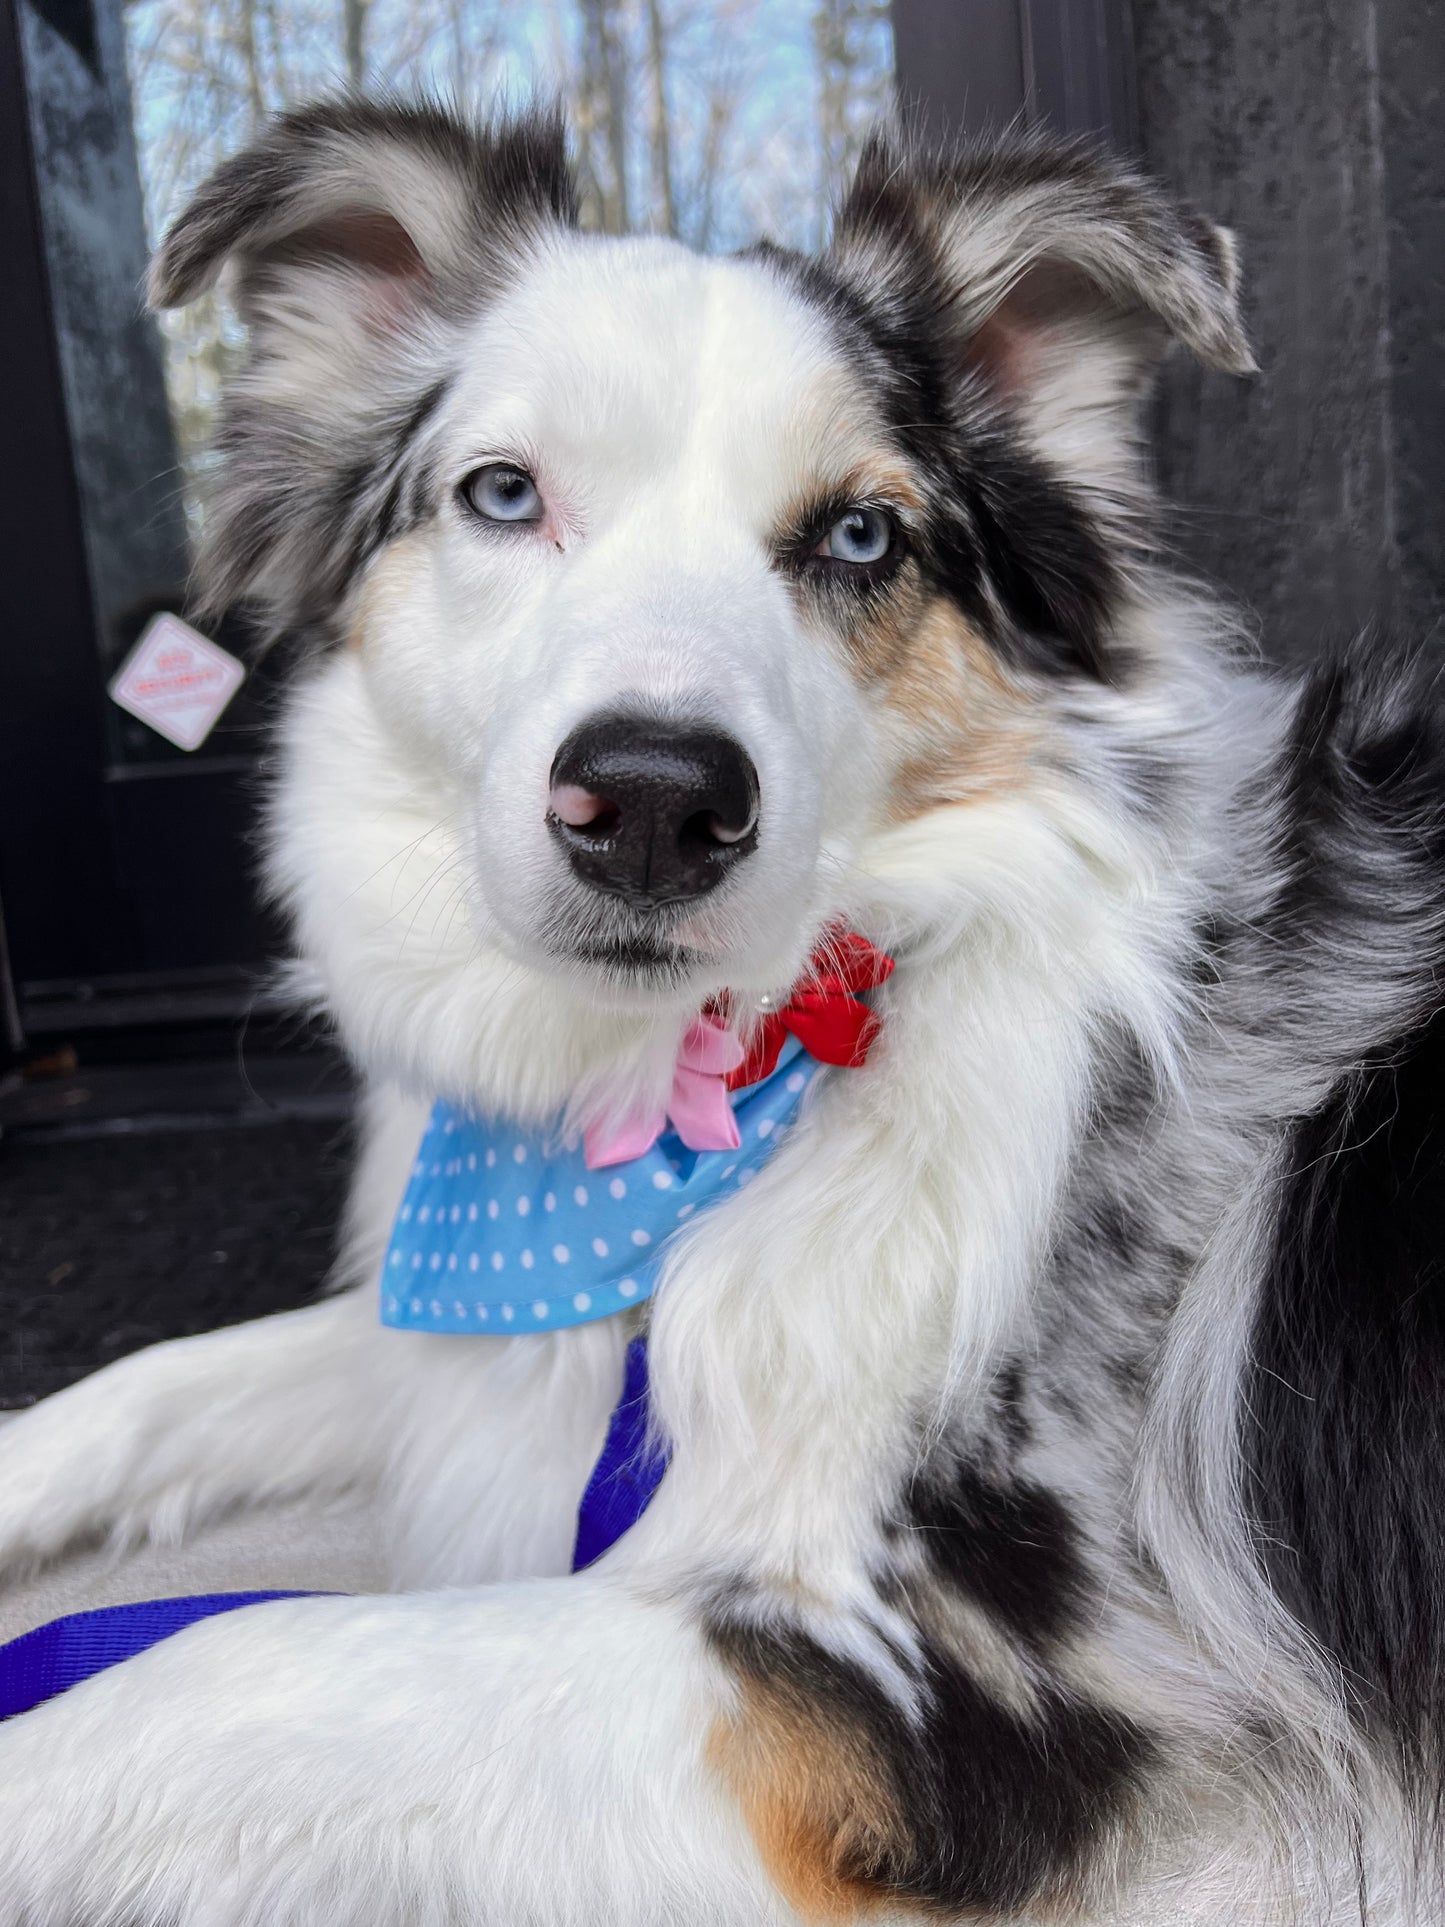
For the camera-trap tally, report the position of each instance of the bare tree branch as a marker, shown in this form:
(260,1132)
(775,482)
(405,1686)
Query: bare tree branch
(664,207)
(354,16)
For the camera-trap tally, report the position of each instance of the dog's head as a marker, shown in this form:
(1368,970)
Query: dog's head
(658,591)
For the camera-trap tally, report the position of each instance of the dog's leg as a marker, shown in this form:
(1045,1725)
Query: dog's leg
(537,1752)
(174,1434)
(476,1471)
(475,1463)
(279,1408)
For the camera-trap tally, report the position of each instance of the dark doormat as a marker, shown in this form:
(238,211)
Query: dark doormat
(110,1242)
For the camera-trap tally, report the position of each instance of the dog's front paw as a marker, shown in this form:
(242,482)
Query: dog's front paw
(162,1439)
(60,1473)
(115,1455)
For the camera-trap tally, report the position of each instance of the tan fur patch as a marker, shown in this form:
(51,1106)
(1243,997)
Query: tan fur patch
(963,730)
(827,1818)
(818,1805)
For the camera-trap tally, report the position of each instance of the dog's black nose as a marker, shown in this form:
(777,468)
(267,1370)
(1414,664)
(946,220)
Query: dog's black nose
(653,812)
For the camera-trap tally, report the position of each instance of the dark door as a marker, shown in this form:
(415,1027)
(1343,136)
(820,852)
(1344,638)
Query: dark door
(125,863)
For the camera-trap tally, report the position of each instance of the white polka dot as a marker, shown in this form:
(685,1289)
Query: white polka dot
(459,1309)
(663,1180)
(451,1125)
(435,1308)
(474,1263)
(494,1210)
(497,1261)
(416,1261)
(728,1170)
(415,1308)
(424,1215)
(396,1257)
(582,1302)
(519,1154)
(549,1203)
(436,1261)
(599,1245)
(471,1214)
(393,1306)
(796,1081)
(406,1214)
(418,1170)
(524,1205)
(539,1308)
(452,1261)
(436,1171)
(765,1128)
(561,1254)
(471,1160)
(481,1311)
(579,1195)
(508,1313)
(617,1188)
(456,1214)
(491,1159)
(527,1261)
(746,1176)
(628,1288)
(686,1210)
(641,1237)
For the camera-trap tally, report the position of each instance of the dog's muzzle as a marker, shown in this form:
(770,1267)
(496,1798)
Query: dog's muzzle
(653,812)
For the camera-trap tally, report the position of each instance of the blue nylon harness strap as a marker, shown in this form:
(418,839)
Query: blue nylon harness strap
(44,1662)
(628,1472)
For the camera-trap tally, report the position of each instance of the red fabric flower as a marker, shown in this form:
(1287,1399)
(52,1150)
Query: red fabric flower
(824,1012)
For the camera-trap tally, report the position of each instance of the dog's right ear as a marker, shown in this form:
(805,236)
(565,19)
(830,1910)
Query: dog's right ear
(1055,277)
(359,239)
(390,201)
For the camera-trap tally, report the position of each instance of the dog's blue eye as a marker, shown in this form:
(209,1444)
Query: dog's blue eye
(861,536)
(501,493)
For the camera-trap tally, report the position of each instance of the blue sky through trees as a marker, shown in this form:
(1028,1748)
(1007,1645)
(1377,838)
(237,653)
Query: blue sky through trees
(715,120)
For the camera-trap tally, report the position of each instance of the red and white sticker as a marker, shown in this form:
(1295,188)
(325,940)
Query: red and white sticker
(177,680)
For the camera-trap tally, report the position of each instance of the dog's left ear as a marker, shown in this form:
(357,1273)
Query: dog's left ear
(394,195)
(360,239)
(1058,276)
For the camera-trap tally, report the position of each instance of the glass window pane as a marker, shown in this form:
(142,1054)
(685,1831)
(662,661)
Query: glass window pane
(713,120)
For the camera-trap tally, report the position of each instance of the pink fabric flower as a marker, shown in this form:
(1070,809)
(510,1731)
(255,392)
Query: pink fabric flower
(699,1107)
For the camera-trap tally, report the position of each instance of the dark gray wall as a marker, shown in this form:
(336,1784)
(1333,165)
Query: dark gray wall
(975,65)
(1312,128)
(1412,108)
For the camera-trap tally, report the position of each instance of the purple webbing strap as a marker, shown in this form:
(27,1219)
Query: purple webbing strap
(40,1664)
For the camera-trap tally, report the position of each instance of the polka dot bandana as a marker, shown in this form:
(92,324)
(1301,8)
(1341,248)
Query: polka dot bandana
(502,1231)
